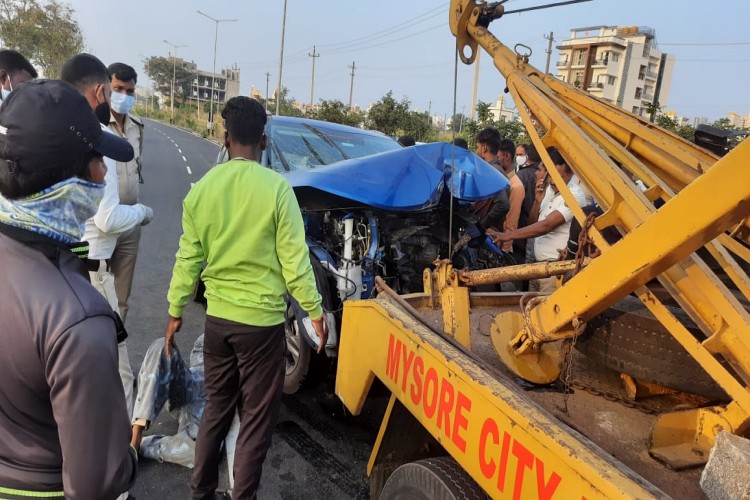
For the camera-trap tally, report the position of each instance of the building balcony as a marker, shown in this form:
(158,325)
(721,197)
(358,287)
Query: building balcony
(647,97)
(595,87)
(651,75)
(562,63)
(599,63)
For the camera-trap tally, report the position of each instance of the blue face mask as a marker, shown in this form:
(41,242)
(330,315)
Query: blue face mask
(121,103)
(5,93)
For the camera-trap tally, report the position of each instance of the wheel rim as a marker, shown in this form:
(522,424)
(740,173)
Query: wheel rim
(293,340)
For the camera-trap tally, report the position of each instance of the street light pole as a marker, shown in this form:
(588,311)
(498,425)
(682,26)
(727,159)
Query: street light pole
(213,75)
(174,73)
(281,60)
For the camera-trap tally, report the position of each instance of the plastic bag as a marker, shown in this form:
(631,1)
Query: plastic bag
(162,380)
(178,449)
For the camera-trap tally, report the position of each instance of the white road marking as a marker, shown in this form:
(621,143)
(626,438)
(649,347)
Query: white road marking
(178,149)
(184,159)
(189,171)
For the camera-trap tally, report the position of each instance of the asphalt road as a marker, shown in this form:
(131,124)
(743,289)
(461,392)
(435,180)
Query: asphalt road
(317,451)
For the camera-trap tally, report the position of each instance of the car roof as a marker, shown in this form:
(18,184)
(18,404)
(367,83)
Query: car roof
(319,123)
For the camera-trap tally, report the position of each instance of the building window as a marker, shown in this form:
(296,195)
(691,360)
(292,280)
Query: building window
(638,92)
(635,110)
(610,80)
(642,72)
(615,56)
(580,57)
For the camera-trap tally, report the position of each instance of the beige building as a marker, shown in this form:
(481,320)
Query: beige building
(500,111)
(618,64)
(737,120)
(226,84)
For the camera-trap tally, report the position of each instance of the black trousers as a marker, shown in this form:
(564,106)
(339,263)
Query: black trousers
(244,369)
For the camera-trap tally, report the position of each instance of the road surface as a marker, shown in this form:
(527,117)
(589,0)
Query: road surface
(317,451)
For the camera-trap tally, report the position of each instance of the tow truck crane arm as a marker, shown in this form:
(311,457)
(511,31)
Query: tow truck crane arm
(601,142)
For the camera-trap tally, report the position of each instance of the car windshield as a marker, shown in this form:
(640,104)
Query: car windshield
(303,146)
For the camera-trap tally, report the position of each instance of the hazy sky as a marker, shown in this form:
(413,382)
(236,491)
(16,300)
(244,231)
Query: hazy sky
(407,46)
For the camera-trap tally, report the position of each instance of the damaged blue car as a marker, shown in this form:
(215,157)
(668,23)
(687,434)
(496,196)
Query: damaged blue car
(371,208)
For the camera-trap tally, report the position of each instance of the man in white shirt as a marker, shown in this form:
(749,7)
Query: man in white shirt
(552,216)
(89,75)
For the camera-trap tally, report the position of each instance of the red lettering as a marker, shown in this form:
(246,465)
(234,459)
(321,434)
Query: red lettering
(546,490)
(394,358)
(503,468)
(430,402)
(445,407)
(416,385)
(460,421)
(489,429)
(408,358)
(525,461)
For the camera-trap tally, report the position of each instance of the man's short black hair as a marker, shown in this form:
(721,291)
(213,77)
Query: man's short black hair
(507,146)
(406,141)
(490,137)
(122,72)
(557,158)
(532,154)
(11,60)
(245,120)
(461,142)
(84,70)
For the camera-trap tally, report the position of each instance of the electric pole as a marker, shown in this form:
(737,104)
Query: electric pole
(281,60)
(551,39)
(476,85)
(210,124)
(312,85)
(268,79)
(351,85)
(429,111)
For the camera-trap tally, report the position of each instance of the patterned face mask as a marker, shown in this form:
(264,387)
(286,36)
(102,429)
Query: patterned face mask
(58,212)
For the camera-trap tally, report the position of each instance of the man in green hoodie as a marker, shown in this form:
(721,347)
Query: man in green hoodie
(243,220)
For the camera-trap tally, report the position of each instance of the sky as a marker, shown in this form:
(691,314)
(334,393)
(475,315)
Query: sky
(407,47)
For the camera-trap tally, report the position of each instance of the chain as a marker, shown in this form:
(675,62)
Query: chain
(585,241)
(610,396)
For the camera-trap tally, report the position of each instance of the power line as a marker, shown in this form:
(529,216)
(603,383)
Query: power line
(711,44)
(388,31)
(388,42)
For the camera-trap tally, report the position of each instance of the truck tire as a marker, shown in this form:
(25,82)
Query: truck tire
(629,339)
(439,478)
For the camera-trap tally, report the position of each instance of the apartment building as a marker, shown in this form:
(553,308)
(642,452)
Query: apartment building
(618,64)
(225,84)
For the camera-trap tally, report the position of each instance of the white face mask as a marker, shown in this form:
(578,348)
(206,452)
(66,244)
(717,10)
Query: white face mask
(6,93)
(521,160)
(121,103)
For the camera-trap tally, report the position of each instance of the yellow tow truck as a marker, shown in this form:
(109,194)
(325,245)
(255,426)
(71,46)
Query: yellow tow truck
(462,419)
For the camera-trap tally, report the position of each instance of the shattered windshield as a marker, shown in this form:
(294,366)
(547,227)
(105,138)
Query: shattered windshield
(300,146)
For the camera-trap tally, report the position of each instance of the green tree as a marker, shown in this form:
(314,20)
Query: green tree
(418,125)
(484,114)
(286,105)
(388,115)
(666,122)
(653,109)
(160,71)
(458,122)
(512,130)
(687,132)
(336,111)
(45,31)
(724,123)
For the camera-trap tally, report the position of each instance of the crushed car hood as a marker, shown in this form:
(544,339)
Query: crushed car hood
(411,178)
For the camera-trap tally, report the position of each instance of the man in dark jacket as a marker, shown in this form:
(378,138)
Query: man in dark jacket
(64,425)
